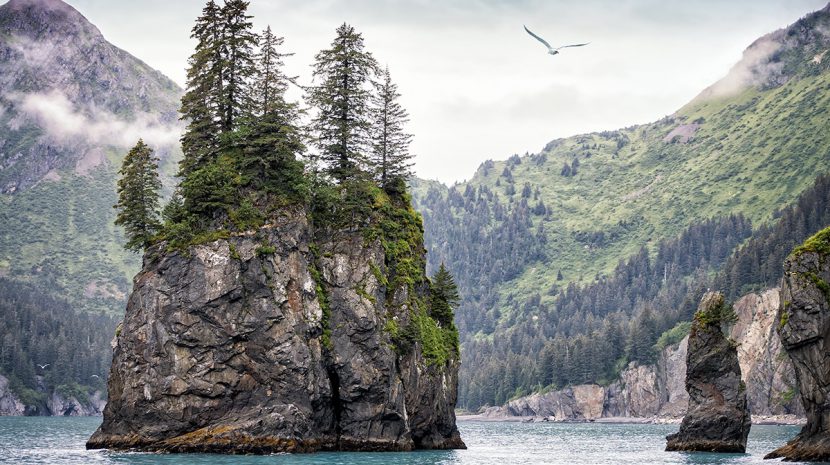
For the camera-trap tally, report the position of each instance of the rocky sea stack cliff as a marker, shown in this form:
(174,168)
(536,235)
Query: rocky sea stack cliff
(718,417)
(279,339)
(804,317)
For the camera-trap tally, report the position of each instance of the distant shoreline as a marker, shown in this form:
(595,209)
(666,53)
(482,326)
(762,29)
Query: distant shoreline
(783,420)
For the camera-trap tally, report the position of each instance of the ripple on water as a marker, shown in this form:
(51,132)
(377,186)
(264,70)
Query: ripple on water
(61,441)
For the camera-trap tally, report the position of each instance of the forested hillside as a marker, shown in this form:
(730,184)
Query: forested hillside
(71,104)
(599,243)
(46,345)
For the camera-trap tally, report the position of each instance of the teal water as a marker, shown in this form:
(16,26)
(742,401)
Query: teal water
(61,441)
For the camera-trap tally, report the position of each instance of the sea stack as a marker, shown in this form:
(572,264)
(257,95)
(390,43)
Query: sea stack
(718,418)
(804,316)
(281,340)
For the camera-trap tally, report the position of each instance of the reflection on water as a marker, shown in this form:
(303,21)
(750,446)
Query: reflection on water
(61,441)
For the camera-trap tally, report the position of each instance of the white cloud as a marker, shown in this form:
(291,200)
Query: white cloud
(755,68)
(64,123)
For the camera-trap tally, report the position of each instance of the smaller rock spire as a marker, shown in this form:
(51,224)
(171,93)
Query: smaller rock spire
(718,417)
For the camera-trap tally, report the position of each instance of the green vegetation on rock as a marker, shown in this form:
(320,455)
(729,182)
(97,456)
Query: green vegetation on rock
(674,335)
(819,243)
(242,166)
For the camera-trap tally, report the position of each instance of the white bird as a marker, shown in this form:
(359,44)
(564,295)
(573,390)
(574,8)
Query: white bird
(42,367)
(552,50)
(94,376)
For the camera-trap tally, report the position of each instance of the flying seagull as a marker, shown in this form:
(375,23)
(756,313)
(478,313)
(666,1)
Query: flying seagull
(42,367)
(551,50)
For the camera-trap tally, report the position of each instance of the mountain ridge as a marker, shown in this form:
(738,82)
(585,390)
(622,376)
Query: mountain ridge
(572,214)
(71,104)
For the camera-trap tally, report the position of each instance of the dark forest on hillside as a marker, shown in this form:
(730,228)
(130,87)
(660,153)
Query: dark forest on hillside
(38,330)
(589,333)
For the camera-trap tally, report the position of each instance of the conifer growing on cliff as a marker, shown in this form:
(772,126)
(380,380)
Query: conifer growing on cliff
(217,101)
(341,97)
(201,103)
(238,42)
(390,157)
(273,137)
(270,83)
(444,297)
(138,197)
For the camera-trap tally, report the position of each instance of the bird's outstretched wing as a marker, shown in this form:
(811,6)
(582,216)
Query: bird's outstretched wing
(572,45)
(538,38)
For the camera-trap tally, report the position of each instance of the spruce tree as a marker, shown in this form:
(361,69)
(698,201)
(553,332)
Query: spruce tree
(217,99)
(444,297)
(138,197)
(271,83)
(390,157)
(341,97)
(201,101)
(273,138)
(237,50)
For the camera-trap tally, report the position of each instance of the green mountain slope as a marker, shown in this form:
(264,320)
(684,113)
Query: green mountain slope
(748,145)
(70,105)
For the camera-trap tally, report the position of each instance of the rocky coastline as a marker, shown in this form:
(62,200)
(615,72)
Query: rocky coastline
(718,417)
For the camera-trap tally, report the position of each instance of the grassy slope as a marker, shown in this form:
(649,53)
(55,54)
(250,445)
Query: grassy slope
(754,153)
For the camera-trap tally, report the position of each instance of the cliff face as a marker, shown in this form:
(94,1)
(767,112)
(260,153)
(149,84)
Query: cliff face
(10,404)
(717,419)
(264,343)
(55,403)
(804,325)
(766,370)
(658,390)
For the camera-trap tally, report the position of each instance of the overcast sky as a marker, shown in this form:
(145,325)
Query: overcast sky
(475,84)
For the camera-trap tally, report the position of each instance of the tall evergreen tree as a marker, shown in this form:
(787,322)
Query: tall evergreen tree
(274,137)
(390,155)
(271,83)
(201,103)
(443,297)
(237,50)
(138,196)
(218,97)
(341,125)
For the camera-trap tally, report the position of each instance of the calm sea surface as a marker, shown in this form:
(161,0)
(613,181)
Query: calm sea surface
(61,441)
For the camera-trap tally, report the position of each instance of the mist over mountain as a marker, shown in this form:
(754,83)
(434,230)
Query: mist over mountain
(70,105)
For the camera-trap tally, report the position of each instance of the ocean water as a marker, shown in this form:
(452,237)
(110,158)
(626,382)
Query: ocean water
(61,441)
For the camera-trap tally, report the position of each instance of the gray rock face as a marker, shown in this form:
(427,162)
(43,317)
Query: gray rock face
(767,371)
(582,402)
(62,406)
(56,404)
(658,391)
(804,317)
(718,417)
(55,65)
(238,348)
(9,403)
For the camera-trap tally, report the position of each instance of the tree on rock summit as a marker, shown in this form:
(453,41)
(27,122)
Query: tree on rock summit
(390,155)
(342,96)
(138,197)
